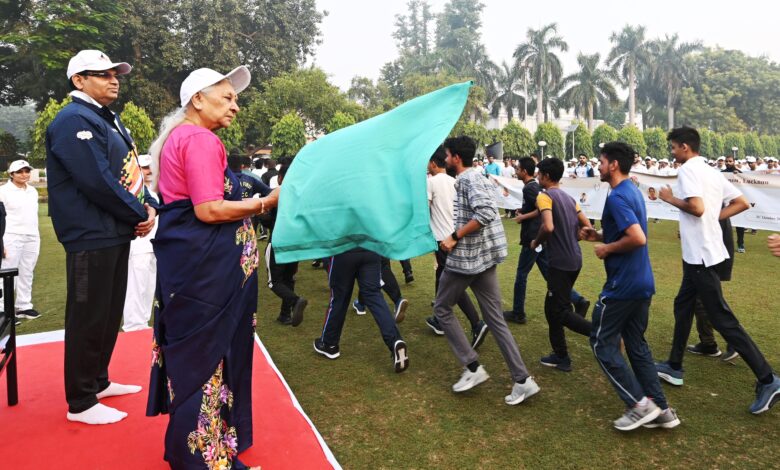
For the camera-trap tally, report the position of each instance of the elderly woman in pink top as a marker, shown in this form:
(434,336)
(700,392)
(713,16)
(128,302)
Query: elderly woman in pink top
(207,283)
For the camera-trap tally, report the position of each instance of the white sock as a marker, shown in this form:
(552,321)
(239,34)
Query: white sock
(98,414)
(115,389)
(642,402)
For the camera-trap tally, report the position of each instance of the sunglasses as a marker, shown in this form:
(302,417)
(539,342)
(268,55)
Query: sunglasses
(106,75)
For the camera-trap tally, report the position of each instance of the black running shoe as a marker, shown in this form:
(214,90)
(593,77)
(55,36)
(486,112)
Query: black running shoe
(710,350)
(400,356)
(29,314)
(329,351)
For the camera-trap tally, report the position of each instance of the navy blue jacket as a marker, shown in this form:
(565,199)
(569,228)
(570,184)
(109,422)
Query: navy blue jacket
(91,168)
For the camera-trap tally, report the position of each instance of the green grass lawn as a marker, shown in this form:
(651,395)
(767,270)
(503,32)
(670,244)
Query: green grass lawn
(374,418)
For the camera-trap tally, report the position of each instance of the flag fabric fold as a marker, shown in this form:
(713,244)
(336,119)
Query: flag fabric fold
(365,185)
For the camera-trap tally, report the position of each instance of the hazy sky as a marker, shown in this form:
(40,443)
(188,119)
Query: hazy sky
(357,34)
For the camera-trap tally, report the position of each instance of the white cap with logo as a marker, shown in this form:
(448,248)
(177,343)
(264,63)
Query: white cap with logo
(199,79)
(91,59)
(17,165)
(144,160)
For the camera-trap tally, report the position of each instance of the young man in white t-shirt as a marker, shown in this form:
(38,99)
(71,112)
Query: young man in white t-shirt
(441,194)
(704,197)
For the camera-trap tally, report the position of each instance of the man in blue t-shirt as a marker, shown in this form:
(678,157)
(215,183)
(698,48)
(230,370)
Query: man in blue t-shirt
(624,303)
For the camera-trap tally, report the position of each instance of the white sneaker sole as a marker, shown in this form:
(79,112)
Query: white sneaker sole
(470,385)
(359,312)
(400,356)
(400,311)
(667,425)
(671,380)
(644,420)
(437,331)
(522,397)
(769,404)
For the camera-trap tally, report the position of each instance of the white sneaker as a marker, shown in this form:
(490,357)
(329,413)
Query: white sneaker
(469,380)
(520,392)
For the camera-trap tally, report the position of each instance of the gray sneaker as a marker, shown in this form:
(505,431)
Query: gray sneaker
(637,416)
(521,392)
(666,419)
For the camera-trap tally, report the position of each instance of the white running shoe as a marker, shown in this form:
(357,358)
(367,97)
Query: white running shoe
(521,392)
(469,380)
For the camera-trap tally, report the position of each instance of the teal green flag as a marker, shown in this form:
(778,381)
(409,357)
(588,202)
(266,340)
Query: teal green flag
(365,185)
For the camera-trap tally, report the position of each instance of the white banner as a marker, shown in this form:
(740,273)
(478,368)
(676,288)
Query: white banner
(761,190)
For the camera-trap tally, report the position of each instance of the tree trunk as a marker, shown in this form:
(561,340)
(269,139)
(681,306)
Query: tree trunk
(632,96)
(539,107)
(669,107)
(590,117)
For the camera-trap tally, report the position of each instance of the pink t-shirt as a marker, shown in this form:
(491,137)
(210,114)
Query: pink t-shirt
(192,166)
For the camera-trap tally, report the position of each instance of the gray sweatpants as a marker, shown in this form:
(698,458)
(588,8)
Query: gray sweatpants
(486,289)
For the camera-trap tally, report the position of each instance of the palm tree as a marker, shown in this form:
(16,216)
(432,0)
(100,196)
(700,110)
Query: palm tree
(629,52)
(671,69)
(509,94)
(545,67)
(590,87)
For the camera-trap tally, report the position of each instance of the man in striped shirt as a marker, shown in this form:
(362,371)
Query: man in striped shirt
(475,248)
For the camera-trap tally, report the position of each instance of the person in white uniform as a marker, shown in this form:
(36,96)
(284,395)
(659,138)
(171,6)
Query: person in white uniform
(21,240)
(142,269)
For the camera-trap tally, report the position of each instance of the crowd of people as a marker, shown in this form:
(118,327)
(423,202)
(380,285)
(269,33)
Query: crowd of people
(204,210)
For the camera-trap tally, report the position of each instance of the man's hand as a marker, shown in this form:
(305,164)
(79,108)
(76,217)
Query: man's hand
(534,244)
(448,244)
(589,234)
(601,250)
(665,193)
(143,229)
(773,242)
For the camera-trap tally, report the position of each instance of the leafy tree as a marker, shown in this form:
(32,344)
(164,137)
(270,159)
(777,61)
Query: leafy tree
(288,135)
(140,126)
(305,92)
(734,139)
(375,99)
(731,84)
(705,147)
(416,85)
(518,141)
(703,107)
(588,87)
(18,120)
(537,53)
(550,133)
(769,145)
(8,144)
(339,121)
(753,144)
(717,144)
(601,135)
(509,90)
(413,33)
(655,139)
(233,136)
(583,144)
(672,69)
(478,132)
(628,53)
(45,117)
(38,38)
(633,137)
(458,43)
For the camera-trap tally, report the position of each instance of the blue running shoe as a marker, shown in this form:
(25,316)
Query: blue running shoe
(766,396)
(665,372)
(360,309)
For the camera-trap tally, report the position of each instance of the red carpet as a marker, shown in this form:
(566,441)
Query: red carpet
(35,434)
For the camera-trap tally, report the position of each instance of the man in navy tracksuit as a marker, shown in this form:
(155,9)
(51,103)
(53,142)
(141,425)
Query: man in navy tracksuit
(97,203)
(366,267)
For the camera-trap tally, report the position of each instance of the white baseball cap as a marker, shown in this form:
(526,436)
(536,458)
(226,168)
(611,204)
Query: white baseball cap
(91,59)
(145,160)
(199,79)
(17,165)
(750,159)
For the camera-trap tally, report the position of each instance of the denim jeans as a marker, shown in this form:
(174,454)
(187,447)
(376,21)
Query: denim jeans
(524,264)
